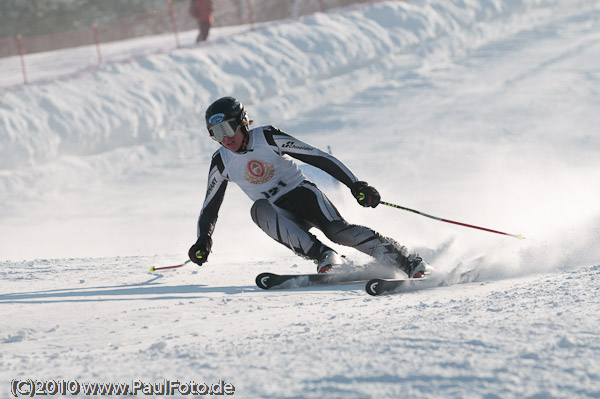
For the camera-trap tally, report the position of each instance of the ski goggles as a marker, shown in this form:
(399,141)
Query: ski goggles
(225,128)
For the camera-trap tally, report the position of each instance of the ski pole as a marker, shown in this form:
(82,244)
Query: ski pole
(518,236)
(154,268)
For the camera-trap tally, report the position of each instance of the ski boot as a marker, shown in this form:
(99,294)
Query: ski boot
(414,266)
(397,255)
(328,261)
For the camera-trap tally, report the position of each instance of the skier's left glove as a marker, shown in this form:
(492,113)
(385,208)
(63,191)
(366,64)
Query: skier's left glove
(365,194)
(198,252)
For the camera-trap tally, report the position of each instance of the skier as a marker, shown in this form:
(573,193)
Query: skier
(286,205)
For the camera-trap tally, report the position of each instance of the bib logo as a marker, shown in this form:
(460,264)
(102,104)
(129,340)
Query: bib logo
(258,172)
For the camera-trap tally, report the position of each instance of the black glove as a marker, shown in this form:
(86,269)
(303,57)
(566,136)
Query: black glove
(365,194)
(198,252)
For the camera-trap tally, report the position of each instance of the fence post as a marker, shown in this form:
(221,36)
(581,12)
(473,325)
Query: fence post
(250,14)
(21,53)
(322,5)
(174,23)
(97,41)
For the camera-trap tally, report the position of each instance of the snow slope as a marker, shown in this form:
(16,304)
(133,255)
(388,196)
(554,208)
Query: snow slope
(483,112)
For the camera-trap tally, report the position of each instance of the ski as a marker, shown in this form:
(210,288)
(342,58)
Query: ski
(378,286)
(267,281)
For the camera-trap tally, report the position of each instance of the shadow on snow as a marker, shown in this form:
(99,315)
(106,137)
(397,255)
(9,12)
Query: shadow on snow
(148,290)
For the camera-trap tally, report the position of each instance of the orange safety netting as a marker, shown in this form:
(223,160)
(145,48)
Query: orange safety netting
(171,17)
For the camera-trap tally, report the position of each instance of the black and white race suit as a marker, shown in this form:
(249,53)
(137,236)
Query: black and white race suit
(286,205)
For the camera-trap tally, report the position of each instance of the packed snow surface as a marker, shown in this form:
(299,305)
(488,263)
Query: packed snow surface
(482,112)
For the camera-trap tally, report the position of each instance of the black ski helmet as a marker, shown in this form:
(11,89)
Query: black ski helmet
(226,110)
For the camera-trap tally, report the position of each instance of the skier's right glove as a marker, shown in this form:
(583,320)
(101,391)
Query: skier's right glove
(365,194)
(198,252)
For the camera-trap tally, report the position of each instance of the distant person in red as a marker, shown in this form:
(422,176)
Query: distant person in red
(202,11)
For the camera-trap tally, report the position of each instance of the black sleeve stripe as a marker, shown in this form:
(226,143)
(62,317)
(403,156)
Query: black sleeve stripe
(215,192)
(210,212)
(269,131)
(218,162)
(272,130)
(271,135)
(330,165)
